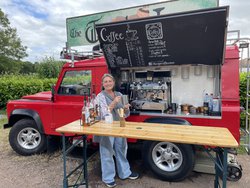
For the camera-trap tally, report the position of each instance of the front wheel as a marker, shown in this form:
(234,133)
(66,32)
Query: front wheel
(25,138)
(169,161)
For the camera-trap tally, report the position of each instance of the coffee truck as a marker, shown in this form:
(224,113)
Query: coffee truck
(174,68)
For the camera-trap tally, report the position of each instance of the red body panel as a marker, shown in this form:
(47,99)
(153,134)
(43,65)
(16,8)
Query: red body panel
(65,109)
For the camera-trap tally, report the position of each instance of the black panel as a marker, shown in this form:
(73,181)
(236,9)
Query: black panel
(141,74)
(162,74)
(195,37)
(167,120)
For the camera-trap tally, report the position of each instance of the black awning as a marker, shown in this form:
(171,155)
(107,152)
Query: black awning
(194,37)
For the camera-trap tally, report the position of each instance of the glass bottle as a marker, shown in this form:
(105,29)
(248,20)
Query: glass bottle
(83,116)
(109,117)
(211,102)
(87,112)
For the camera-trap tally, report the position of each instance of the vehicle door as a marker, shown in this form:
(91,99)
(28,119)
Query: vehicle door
(69,95)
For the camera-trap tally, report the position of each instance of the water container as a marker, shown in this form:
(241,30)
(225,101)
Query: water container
(210,101)
(109,117)
(216,105)
(87,116)
(206,98)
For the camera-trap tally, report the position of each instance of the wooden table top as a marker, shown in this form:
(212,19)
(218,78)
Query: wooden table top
(198,135)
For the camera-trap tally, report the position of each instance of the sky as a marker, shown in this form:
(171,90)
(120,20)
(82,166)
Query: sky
(41,24)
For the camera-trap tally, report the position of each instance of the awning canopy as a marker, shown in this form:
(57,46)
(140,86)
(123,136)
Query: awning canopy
(194,37)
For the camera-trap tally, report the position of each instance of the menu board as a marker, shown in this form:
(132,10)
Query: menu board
(194,37)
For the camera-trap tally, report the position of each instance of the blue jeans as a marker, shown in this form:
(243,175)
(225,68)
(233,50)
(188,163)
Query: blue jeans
(110,146)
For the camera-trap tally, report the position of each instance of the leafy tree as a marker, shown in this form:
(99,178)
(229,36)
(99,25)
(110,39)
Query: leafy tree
(10,43)
(11,66)
(27,67)
(49,67)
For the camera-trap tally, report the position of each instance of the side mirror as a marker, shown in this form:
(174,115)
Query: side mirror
(53,93)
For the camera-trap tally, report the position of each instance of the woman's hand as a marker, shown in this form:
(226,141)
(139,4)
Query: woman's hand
(116,100)
(126,106)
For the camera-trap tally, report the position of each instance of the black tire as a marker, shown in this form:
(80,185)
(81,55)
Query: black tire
(180,156)
(234,172)
(25,138)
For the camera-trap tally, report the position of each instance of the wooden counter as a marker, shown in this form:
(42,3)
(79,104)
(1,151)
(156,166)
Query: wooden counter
(198,135)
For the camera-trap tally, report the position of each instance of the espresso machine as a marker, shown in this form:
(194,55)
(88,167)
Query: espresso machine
(148,90)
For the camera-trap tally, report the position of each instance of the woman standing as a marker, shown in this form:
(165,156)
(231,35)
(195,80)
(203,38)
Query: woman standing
(113,146)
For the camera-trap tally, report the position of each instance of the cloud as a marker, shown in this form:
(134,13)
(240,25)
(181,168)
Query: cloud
(238,15)
(41,24)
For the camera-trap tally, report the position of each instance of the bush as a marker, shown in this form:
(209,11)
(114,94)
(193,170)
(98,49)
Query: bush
(243,89)
(243,99)
(49,68)
(15,86)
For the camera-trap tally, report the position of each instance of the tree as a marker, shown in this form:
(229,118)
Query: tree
(49,67)
(10,43)
(27,67)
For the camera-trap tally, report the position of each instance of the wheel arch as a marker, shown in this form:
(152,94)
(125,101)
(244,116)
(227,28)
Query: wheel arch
(19,114)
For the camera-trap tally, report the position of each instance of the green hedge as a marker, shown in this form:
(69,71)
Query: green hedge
(14,87)
(243,93)
(243,89)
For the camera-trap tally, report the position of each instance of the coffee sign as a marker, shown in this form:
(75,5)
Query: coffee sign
(194,37)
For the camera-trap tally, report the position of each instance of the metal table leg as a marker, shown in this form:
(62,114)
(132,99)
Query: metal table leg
(224,179)
(220,162)
(85,170)
(82,179)
(217,171)
(65,179)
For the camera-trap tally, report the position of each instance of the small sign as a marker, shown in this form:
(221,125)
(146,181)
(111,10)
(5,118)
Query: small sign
(244,45)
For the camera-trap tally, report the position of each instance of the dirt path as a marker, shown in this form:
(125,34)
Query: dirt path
(46,171)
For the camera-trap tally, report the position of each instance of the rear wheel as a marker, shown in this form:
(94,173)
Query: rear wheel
(26,139)
(169,161)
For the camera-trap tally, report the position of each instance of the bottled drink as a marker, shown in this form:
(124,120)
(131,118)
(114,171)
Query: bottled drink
(216,104)
(95,105)
(211,102)
(87,112)
(109,117)
(83,116)
(93,99)
(84,111)
(97,109)
(205,108)
(91,110)
(206,98)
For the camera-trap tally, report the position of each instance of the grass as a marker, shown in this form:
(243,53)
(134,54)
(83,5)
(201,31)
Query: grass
(241,150)
(2,121)
(3,135)
(3,111)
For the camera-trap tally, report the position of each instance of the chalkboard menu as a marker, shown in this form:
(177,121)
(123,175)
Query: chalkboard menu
(194,37)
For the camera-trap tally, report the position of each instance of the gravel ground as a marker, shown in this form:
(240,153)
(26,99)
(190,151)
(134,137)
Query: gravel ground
(46,171)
